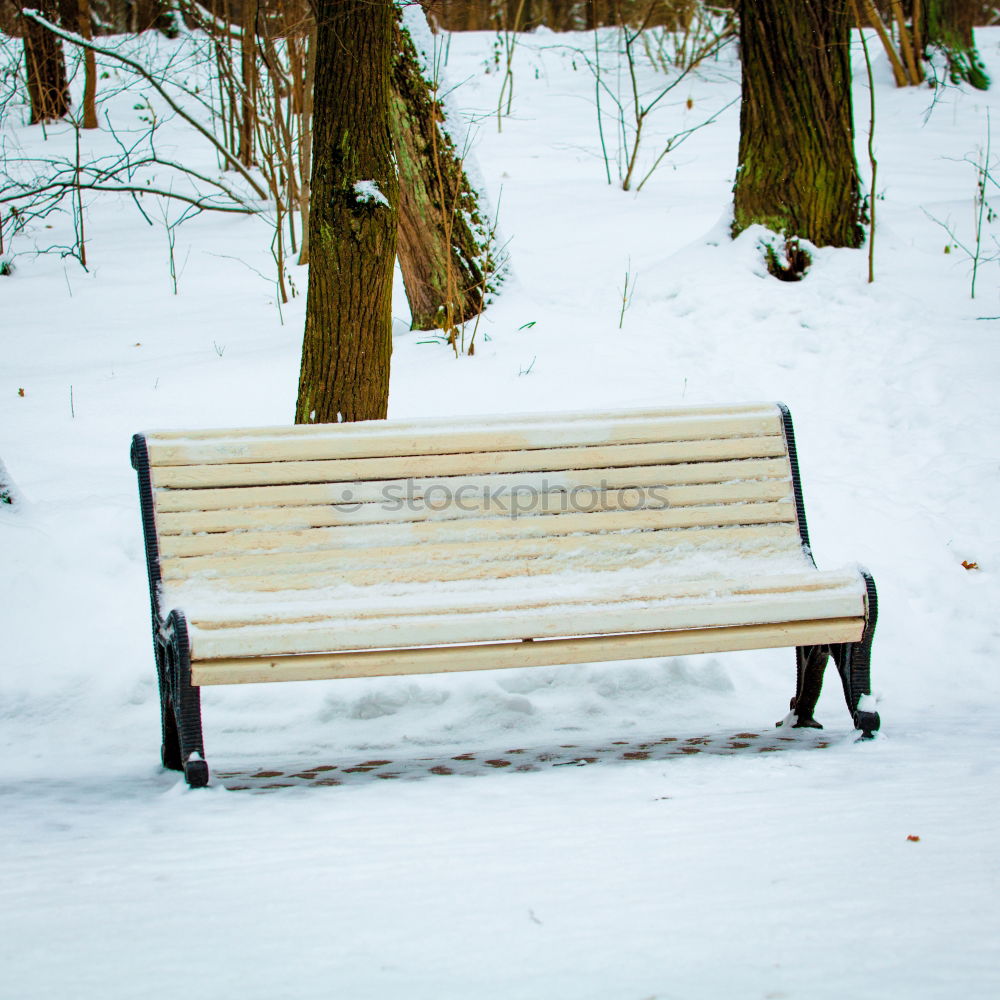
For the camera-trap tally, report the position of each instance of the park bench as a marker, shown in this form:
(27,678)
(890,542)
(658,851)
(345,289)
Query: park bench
(419,546)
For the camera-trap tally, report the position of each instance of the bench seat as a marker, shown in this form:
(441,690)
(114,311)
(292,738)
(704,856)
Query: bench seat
(235,640)
(423,546)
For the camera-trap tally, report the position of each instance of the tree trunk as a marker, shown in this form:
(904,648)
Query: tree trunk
(797,174)
(248,73)
(89,67)
(444,250)
(868,12)
(45,66)
(159,15)
(10,19)
(352,220)
(949,28)
(598,14)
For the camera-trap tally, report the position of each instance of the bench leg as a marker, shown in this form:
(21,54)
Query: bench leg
(170,747)
(810,664)
(853,660)
(180,703)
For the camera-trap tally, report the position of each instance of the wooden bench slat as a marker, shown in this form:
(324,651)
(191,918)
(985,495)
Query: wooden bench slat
(443,425)
(683,503)
(751,539)
(548,622)
(277,473)
(237,611)
(485,551)
(492,656)
(340,442)
(203,501)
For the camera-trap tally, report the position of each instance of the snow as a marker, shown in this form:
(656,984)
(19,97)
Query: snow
(366,192)
(714,871)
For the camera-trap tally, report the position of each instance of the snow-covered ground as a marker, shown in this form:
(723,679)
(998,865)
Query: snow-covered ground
(726,873)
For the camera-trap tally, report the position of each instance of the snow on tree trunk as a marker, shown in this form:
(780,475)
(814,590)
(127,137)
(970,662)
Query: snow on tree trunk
(9,494)
(949,28)
(352,219)
(445,251)
(797,173)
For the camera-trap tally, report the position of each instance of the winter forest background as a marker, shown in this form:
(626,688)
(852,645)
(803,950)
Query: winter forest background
(573,206)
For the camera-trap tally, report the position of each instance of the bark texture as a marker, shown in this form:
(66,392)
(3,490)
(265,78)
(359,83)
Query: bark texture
(443,248)
(85,28)
(45,67)
(949,28)
(248,72)
(797,173)
(353,218)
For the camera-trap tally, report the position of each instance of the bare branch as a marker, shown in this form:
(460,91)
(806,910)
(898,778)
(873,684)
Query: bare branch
(75,39)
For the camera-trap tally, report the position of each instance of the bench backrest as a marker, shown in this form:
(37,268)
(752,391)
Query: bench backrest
(294,508)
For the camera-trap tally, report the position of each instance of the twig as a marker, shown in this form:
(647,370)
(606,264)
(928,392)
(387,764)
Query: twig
(200,203)
(627,291)
(984,175)
(871,145)
(675,140)
(78,40)
(597,93)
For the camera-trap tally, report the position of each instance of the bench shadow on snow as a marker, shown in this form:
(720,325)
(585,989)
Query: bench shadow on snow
(392,765)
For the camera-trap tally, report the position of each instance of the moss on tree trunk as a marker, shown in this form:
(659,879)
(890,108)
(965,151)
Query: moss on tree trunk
(797,173)
(949,28)
(353,217)
(444,246)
